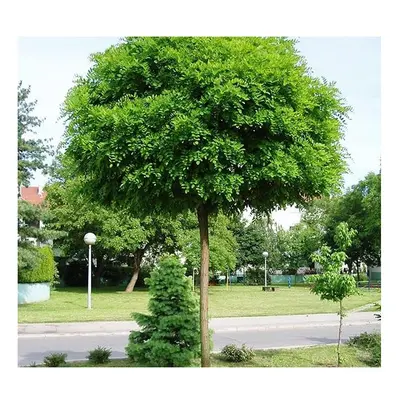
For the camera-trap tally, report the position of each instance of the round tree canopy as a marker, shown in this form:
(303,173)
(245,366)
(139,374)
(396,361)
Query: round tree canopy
(173,123)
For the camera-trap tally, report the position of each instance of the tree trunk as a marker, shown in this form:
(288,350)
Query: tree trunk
(99,272)
(137,260)
(350,267)
(340,333)
(202,214)
(358,270)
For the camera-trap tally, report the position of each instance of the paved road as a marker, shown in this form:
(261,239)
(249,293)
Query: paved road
(258,332)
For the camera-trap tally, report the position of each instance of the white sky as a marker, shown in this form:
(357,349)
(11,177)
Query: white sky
(50,64)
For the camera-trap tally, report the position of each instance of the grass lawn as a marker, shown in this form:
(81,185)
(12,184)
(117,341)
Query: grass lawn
(68,305)
(318,356)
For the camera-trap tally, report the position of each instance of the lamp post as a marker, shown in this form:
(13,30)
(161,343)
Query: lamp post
(265,254)
(90,239)
(287,255)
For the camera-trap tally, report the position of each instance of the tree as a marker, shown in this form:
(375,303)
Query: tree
(31,152)
(170,335)
(31,156)
(331,284)
(205,124)
(360,207)
(223,245)
(303,240)
(31,235)
(119,234)
(260,235)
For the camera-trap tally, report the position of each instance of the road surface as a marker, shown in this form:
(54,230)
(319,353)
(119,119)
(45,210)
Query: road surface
(259,333)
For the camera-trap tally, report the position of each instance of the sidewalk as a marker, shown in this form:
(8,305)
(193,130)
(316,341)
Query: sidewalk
(217,324)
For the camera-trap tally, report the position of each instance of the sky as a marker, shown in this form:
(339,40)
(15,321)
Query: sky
(50,64)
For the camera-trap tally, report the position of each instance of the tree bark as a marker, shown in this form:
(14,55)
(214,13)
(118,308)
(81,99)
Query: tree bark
(99,272)
(358,270)
(340,333)
(137,260)
(202,214)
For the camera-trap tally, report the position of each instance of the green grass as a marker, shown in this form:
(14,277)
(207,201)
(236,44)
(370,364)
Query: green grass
(317,356)
(69,305)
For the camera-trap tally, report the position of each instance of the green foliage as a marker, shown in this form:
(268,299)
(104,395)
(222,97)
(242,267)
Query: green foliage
(119,235)
(31,152)
(170,335)
(344,236)
(223,245)
(360,207)
(30,235)
(331,284)
(370,342)
(169,123)
(44,272)
(303,240)
(233,353)
(255,238)
(100,355)
(55,360)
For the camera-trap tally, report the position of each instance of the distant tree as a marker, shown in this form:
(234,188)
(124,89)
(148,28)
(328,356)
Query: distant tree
(303,239)
(31,157)
(360,207)
(31,234)
(119,235)
(205,124)
(223,245)
(31,152)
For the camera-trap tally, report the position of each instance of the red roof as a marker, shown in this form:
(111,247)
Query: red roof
(33,194)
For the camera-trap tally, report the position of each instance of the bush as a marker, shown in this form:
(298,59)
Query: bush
(44,272)
(100,355)
(170,336)
(363,277)
(55,360)
(233,353)
(370,342)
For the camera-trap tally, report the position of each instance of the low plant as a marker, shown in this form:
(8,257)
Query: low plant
(100,355)
(55,360)
(233,353)
(365,340)
(370,342)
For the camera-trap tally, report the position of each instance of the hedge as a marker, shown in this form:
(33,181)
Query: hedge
(44,272)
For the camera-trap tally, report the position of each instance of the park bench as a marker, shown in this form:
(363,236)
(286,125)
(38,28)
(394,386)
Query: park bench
(269,288)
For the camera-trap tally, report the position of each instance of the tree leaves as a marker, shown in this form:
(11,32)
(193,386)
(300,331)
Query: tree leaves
(175,122)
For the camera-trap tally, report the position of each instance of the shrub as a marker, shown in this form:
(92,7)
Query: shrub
(370,342)
(100,355)
(170,336)
(363,277)
(55,360)
(44,272)
(233,353)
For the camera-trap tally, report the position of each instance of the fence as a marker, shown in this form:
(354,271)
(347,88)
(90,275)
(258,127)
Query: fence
(284,279)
